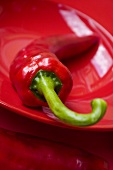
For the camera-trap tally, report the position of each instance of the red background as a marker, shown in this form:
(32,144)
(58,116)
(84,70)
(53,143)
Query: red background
(100,143)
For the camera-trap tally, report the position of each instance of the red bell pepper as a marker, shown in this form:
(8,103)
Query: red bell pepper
(24,152)
(39,77)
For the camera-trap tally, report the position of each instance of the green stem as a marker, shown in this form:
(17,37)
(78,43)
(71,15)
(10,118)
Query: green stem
(45,85)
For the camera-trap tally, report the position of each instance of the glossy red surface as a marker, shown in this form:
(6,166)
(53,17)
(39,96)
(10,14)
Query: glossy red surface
(96,142)
(91,72)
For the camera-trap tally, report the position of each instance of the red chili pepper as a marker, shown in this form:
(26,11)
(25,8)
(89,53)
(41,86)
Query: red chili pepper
(39,76)
(66,46)
(24,152)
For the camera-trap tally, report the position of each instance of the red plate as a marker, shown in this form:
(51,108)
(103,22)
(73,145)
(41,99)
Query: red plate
(21,22)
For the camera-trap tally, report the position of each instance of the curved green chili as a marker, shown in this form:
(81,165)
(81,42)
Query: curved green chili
(45,85)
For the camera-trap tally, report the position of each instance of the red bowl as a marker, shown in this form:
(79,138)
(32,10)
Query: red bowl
(22,22)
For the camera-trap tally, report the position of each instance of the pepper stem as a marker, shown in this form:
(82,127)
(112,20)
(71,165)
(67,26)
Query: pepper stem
(45,85)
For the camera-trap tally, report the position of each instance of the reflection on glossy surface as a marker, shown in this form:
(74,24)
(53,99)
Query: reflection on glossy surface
(101,63)
(75,23)
(22,22)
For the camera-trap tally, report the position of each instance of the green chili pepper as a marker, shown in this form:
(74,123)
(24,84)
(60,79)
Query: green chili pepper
(45,84)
